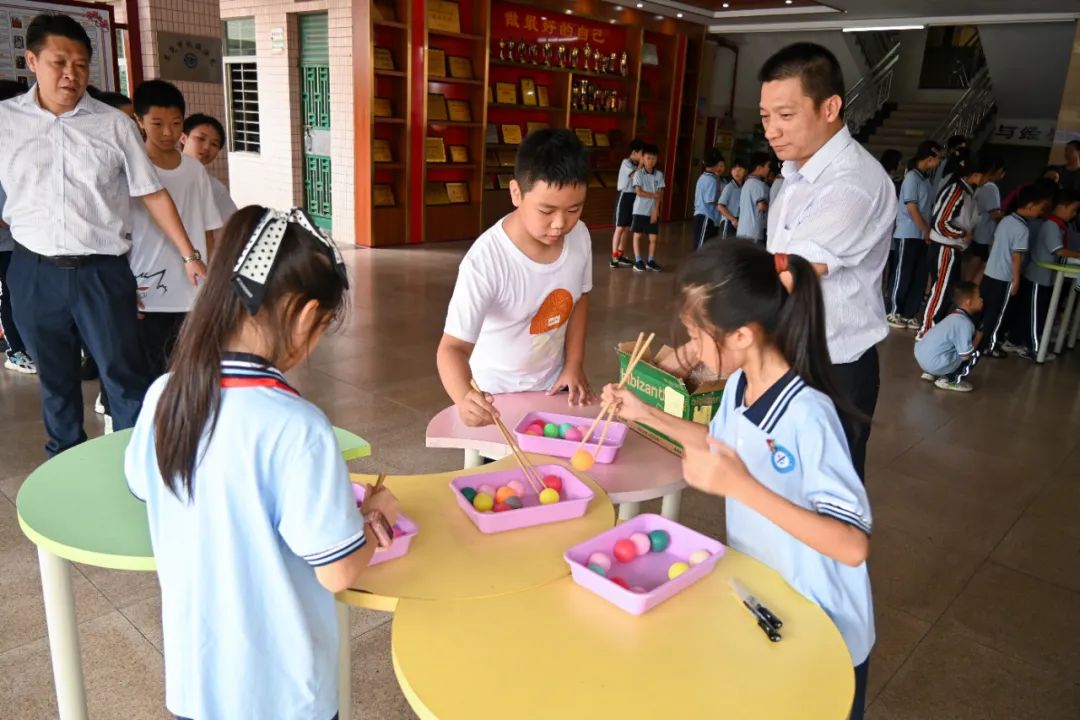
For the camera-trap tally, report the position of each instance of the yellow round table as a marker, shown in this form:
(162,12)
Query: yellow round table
(451,559)
(559,651)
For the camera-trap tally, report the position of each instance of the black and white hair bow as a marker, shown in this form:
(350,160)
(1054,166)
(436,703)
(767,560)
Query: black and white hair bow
(255,266)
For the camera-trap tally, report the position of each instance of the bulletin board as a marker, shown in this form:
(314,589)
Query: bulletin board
(97,18)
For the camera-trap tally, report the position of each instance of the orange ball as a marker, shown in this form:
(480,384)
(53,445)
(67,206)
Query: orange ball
(582,460)
(503,493)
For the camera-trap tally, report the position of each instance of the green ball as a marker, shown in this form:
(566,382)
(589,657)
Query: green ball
(659,540)
(469,494)
(551,430)
(597,569)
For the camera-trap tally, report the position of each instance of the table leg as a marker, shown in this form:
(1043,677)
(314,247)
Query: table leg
(1055,296)
(1070,304)
(344,662)
(629,510)
(669,507)
(59,598)
(1076,324)
(473,459)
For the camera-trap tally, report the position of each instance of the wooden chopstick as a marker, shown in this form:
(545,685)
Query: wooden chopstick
(609,410)
(532,475)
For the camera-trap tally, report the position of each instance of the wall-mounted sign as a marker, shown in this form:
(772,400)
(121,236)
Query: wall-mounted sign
(189,57)
(277,40)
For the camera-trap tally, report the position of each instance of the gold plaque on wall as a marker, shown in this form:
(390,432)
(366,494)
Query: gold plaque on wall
(585,136)
(458,192)
(534,126)
(542,96)
(382,108)
(459,153)
(507,158)
(528,92)
(445,16)
(505,93)
(504,181)
(383,196)
(461,68)
(602,140)
(380,151)
(436,106)
(511,134)
(435,194)
(383,59)
(460,111)
(434,150)
(436,63)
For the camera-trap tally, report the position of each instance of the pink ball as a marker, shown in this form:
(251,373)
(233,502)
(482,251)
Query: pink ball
(486,489)
(641,542)
(599,558)
(517,486)
(537,428)
(574,435)
(625,551)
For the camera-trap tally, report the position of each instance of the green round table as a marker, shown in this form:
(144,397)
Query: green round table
(76,507)
(1060,272)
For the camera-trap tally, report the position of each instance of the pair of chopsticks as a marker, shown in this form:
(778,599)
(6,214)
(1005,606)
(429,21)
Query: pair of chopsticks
(640,347)
(532,475)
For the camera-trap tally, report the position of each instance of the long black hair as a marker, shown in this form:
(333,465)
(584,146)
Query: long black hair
(728,285)
(189,404)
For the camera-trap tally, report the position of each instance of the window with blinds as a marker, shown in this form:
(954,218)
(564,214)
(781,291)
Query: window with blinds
(242,85)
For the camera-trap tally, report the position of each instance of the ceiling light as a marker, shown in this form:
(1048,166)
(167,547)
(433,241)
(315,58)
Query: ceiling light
(618,8)
(678,15)
(727,5)
(612,21)
(569,11)
(659,17)
(641,5)
(787,2)
(883,28)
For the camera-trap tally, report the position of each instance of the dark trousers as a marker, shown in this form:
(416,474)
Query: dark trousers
(995,295)
(704,230)
(943,263)
(54,308)
(158,333)
(7,318)
(965,368)
(908,278)
(858,705)
(858,383)
(1032,307)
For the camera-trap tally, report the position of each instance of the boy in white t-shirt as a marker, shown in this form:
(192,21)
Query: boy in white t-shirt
(164,295)
(203,139)
(518,316)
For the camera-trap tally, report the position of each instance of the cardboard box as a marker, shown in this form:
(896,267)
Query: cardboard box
(661,389)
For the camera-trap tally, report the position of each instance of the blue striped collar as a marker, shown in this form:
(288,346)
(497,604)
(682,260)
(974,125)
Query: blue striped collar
(234,364)
(773,403)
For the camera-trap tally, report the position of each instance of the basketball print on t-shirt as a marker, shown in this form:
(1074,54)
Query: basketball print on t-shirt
(548,326)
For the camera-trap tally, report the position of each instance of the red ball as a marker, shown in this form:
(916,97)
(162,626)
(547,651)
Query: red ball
(620,582)
(500,507)
(625,551)
(554,482)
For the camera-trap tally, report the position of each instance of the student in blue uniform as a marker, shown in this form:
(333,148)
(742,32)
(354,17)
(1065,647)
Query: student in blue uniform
(776,449)
(253,520)
(730,199)
(624,205)
(706,194)
(946,353)
(911,237)
(754,199)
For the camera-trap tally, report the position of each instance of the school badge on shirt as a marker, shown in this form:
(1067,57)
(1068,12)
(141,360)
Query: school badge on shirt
(782,460)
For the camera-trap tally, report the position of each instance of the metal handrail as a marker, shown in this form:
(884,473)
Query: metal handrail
(867,96)
(970,110)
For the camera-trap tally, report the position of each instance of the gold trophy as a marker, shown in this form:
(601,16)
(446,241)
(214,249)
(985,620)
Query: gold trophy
(574,58)
(624,65)
(588,57)
(547,54)
(502,50)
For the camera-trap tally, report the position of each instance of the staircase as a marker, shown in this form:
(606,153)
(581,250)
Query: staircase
(908,125)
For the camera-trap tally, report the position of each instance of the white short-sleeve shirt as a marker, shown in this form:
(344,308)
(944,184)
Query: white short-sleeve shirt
(792,442)
(515,310)
(248,630)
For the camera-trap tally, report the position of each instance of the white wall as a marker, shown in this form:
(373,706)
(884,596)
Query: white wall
(1027,65)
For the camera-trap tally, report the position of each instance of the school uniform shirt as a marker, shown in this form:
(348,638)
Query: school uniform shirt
(1011,236)
(248,631)
(649,182)
(987,201)
(706,192)
(515,310)
(774,189)
(940,350)
(914,189)
(839,209)
(7,242)
(69,177)
(954,214)
(731,197)
(751,217)
(792,442)
(222,199)
(626,175)
(1045,242)
(155,262)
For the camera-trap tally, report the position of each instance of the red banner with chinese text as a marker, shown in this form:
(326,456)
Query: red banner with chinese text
(533,25)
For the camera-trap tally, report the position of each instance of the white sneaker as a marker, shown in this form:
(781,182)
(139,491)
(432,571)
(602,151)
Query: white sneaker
(20,363)
(107,420)
(895,321)
(99,407)
(962,386)
(928,377)
(1013,348)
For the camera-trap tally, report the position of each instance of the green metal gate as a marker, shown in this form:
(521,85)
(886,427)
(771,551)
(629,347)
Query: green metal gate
(315,103)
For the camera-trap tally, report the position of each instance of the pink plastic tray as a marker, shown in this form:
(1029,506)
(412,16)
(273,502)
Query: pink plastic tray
(575,500)
(565,448)
(650,570)
(401,543)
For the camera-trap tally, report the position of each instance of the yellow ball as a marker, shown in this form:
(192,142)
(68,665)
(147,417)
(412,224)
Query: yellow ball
(582,460)
(676,570)
(549,496)
(483,502)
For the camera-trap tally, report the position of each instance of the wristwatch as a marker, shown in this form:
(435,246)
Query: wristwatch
(195,256)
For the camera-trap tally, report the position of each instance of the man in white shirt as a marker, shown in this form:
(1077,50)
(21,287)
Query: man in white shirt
(837,211)
(69,165)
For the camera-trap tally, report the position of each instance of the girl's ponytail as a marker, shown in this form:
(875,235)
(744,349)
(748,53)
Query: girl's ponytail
(800,330)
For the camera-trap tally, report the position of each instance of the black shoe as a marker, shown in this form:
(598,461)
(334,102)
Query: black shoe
(639,266)
(997,354)
(651,265)
(613,263)
(624,261)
